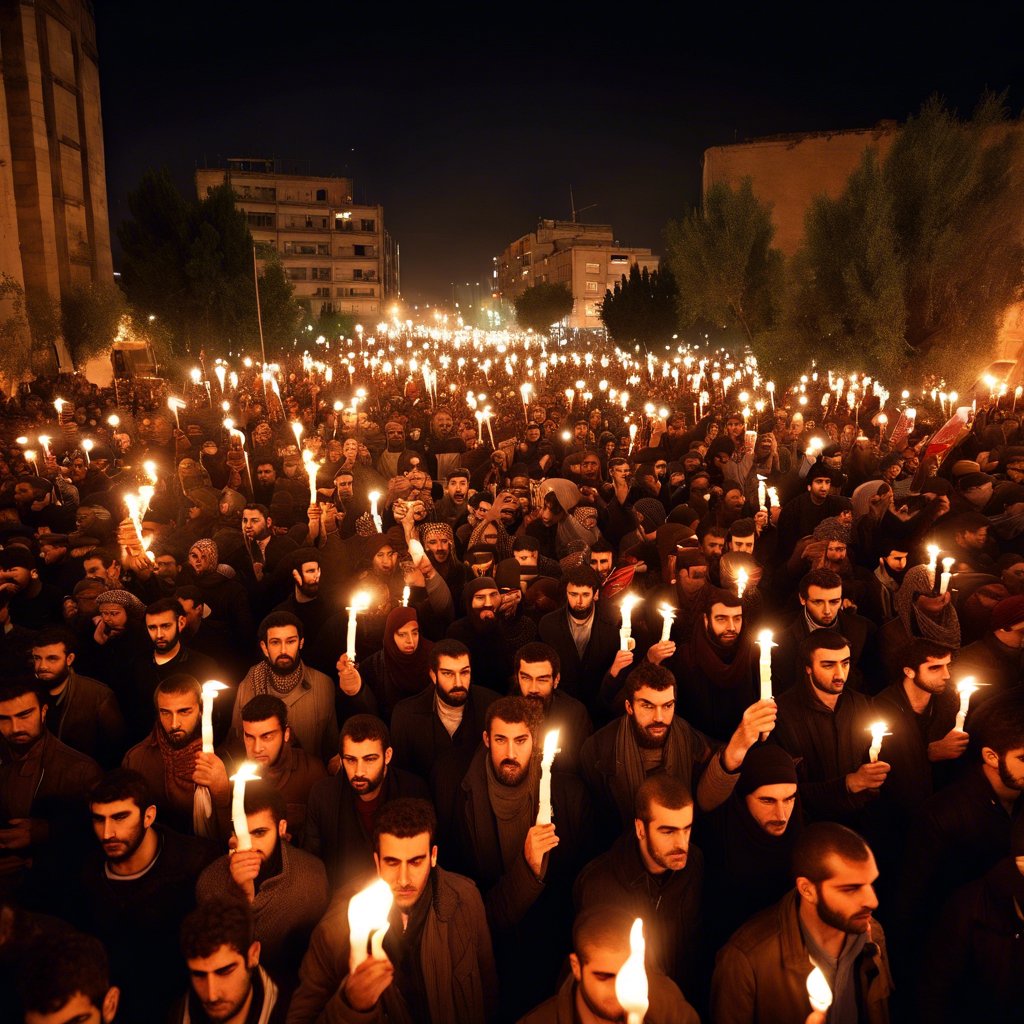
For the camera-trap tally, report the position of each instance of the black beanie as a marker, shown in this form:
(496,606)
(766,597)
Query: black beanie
(765,765)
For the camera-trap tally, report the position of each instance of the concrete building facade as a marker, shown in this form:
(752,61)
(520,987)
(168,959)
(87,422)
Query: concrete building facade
(586,257)
(336,252)
(54,228)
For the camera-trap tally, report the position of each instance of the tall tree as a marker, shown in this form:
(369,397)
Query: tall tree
(542,305)
(642,307)
(725,268)
(89,319)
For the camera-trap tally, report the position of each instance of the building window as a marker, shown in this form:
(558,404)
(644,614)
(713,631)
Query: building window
(590,309)
(323,249)
(259,220)
(299,248)
(592,287)
(357,275)
(619,258)
(367,225)
(264,249)
(321,274)
(593,268)
(358,250)
(321,195)
(295,273)
(322,293)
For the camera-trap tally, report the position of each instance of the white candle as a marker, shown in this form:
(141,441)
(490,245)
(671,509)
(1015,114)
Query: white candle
(947,575)
(405,596)
(668,616)
(59,403)
(87,446)
(210,690)
(360,602)
(44,440)
(877,730)
(548,756)
(368,918)
(310,463)
(374,497)
(631,981)
(416,552)
(174,404)
(965,688)
(741,582)
(246,773)
(765,642)
(818,991)
(762,492)
(773,497)
(626,630)
(933,558)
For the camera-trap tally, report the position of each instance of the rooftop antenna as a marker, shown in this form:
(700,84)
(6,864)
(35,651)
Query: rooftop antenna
(575,212)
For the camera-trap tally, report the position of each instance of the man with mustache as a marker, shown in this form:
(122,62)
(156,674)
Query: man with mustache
(879,597)
(343,809)
(826,921)
(524,868)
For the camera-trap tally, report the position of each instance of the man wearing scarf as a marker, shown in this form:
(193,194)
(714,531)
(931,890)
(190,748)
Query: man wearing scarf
(748,841)
(879,600)
(439,544)
(651,738)
(182,779)
(524,869)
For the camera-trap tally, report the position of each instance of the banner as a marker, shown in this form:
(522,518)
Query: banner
(942,442)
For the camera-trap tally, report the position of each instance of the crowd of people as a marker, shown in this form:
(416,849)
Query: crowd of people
(393,654)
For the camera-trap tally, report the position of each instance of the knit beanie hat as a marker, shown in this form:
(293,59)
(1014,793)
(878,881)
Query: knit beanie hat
(687,558)
(128,601)
(205,546)
(475,586)
(766,764)
(507,574)
(832,529)
(652,510)
(428,530)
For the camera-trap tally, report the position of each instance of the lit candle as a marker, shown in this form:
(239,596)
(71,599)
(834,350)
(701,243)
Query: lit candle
(405,596)
(368,919)
(626,630)
(221,373)
(210,690)
(773,497)
(87,445)
(631,981)
(550,749)
(174,404)
(246,773)
(297,431)
(632,435)
(59,403)
(765,642)
(762,493)
(965,689)
(818,991)
(741,582)
(668,616)
(360,602)
(374,497)
(149,466)
(933,558)
(877,730)
(44,440)
(947,575)
(114,421)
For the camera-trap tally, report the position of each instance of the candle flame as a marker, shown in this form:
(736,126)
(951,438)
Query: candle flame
(248,771)
(212,687)
(550,748)
(631,981)
(967,686)
(818,991)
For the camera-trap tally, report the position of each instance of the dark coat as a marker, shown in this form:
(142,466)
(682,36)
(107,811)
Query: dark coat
(581,677)
(570,718)
(334,831)
(669,906)
(89,719)
(667,1004)
(865,670)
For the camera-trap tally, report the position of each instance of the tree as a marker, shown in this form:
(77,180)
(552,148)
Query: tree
(15,336)
(726,270)
(190,263)
(89,318)
(920,256)
(642,308)
(542,305)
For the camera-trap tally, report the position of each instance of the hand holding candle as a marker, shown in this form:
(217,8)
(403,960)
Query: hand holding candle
(965,689)
(247,772)
(626,630)
(668,616)
(548,756)
(877,730)
(368,914)
(765,642)
(631,988)
(374,497)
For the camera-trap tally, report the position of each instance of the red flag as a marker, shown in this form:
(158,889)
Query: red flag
(942,442)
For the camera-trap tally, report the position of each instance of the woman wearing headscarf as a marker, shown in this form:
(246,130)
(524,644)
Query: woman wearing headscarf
(400,669)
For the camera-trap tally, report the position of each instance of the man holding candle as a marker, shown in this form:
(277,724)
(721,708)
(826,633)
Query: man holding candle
(435,963)
(997,659)
(525,869)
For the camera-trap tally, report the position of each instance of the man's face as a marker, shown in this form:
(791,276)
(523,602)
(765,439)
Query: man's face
(281,648)
(742,545)
(51,554)
(265,741)
(835,552)
(819,488)
(443,424)
(734,427)
(21,721)
(202,560)
(511,747)
(822,605)
(724,624)
(485,604)
(580,601)
(451,679)
(537,682)
(526,558)
(193,612)
(483,568)
(896,563)
(772,806)
(893,471)
(94,570)
(265,473)
(222,981)
(458,489)
(254,525)
(712,546)
(932,675)
(384,560)
(265,833)
(652,712)
(166,568)
(405,865)
(120,827)
(439,547)
(1013,578)
(394,433)
(262,434)
(829,670)
(595,975)
(481,511)
(846,900)
(365,764)
(974,540)
(666,837)
(115,618)
(601,561)
(1010,767)
(590,467)
(178,715)
(17,575)
(734,500)
(163,630)
(307,579)
(51,664)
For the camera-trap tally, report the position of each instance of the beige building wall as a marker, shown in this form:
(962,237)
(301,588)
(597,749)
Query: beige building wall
(53,220)
(336,253)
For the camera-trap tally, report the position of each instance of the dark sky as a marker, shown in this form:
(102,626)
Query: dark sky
(469,125)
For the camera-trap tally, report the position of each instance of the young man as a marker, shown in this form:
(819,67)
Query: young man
(285,888)
(437,951)
(826,921)
(227,984)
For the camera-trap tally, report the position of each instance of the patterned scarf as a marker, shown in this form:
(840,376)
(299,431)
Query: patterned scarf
(946,631)
(182,792)
(266,680)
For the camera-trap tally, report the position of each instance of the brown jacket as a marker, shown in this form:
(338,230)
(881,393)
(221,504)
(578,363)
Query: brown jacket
(455,956)
(667,1005)
(761,972)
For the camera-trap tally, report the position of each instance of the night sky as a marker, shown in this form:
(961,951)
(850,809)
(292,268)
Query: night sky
(470,125)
